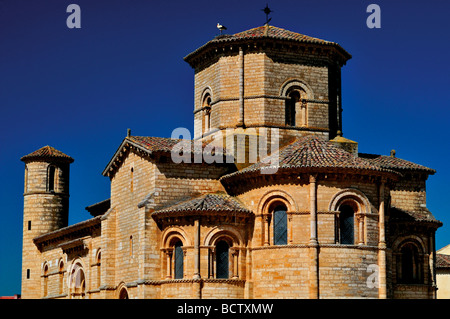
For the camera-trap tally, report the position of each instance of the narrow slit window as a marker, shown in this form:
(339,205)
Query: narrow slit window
(131,178)
(51,179)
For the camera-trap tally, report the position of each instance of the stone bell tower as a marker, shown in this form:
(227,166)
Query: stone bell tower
(267,78)
(46,208)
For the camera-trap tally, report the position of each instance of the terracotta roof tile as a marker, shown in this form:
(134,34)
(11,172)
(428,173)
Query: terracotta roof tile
(395,163)
(164,144)
(312,152)
(442,261)
(217,202)
(47,152)
(268,32)
(418,215)
(277,33)
(152,144)
(99,208)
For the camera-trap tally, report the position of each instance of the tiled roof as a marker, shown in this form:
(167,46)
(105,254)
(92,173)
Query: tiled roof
(312,152)
(217,202)
(67,232)
(152,144)
(278,33)
(419,215)
(99,208)
(442,261)
(47,152)
(395,163)
(164,144)
(155,144)
(268,32)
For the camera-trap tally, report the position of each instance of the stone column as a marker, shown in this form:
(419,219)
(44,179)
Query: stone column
(313,243)
(234,263)
(382,290)
(432,257)
(197,249)
(361,229)
(266,231)
(212,265)
(169,263)
(289,218)
(303,108)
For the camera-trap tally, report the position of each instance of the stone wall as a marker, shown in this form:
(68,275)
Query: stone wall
(267,76)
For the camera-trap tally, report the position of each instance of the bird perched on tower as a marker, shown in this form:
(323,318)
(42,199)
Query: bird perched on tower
(221,27)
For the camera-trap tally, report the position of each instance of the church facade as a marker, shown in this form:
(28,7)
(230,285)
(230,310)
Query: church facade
(268,200)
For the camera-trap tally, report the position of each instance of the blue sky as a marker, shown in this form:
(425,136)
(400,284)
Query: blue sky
(79,90)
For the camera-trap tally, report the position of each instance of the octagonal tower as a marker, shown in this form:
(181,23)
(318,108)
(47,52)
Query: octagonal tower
(267,78)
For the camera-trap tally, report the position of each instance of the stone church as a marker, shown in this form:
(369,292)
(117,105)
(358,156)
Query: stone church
(283,206)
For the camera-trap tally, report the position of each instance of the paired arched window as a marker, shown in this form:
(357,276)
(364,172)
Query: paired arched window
(223,260)
(351,207)
(77,283)
(174,251)
(276,221)
(296,107)
(410,265)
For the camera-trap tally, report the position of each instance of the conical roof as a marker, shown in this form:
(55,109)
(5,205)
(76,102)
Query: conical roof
(47,153)
(212,202)
(311,153)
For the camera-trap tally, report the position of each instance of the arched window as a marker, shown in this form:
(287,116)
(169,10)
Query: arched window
(291,103)
(131,246)
(280,225)
(132,179)
(45,280)
(346,225)
(178,260)
(61,276)
(99,272)
(206,104)
(123,294)
(77,282)
(51,178)
(222,259)
(411,269)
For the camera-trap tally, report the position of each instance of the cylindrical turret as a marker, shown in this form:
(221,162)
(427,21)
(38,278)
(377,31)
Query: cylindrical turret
(46,208)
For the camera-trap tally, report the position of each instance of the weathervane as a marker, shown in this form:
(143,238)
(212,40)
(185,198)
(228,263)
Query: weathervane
(267,11)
